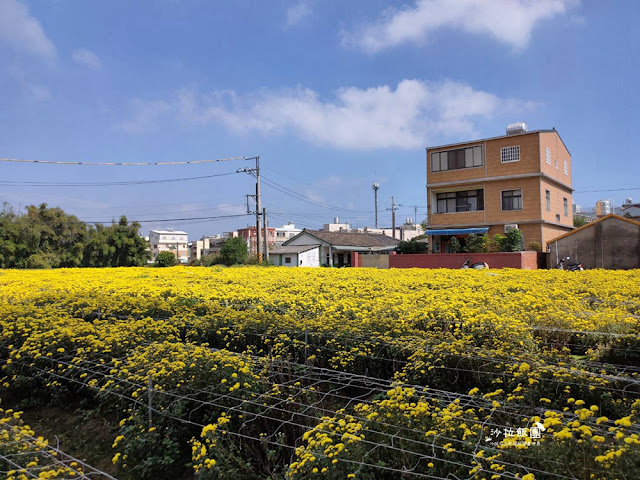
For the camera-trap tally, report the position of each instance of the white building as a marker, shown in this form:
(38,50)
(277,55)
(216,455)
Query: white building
(296,256)
(205,246)
(174,241)
(336,226)
(286,232)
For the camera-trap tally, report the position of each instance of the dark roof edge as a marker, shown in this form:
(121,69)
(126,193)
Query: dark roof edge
(553,130)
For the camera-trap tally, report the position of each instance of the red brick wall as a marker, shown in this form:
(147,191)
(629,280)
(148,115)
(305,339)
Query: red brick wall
(523,260)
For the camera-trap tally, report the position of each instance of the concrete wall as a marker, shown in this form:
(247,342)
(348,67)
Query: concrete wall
(372,260)
(522,260)
(610,243)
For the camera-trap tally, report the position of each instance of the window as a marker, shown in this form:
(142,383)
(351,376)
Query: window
(466,201)
(512,199)
(287,259)
(565,205)
(556,164)
(455,159)
(547,196)
(557,217)
(510,154)
(547,152)
(566,167)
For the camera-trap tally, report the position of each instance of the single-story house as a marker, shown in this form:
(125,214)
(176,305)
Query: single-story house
(610,242)
(336,248)
(295,256)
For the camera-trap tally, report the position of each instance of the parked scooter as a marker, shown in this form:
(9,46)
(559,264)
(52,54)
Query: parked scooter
(572,267)
(477,266)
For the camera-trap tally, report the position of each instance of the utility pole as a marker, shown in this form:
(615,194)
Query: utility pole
(376,187)
(415,211)
(266,235)
(393,209)
(258,211)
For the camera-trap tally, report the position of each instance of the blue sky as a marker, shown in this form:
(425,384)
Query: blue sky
(331,95)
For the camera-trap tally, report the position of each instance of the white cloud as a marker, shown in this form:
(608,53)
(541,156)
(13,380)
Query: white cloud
(33,90)
(145,115)
(23,32)
(297,12)
(508,21)
(87,58)
(356,119)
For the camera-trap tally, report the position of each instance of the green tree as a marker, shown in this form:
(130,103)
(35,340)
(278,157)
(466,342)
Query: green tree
(234,251)
(46,237)
(166,259)
(118,245)
(579,221)
(49,235)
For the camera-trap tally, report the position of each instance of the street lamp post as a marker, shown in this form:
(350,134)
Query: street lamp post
(375,186)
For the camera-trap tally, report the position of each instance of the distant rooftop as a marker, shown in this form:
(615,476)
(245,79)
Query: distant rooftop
(169,232)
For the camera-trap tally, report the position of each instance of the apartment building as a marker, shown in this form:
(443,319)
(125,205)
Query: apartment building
(285,232)
(174,241)
(249,235)
(519,180)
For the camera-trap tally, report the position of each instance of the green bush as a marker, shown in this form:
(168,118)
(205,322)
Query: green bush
(412,247)
(513,241)
(454,245)
(477,243)
(166,259)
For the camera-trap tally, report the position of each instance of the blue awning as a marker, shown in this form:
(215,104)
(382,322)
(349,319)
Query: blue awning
(458,231)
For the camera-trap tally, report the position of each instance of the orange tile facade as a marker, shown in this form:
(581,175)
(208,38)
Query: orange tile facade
(532,174)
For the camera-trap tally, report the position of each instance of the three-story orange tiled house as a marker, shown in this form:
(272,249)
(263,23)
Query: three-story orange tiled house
(519,180)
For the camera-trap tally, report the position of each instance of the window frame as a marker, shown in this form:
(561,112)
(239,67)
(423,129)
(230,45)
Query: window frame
(453,201)
(547,152)
(565,206)
(459,159)
(566,167)
(547,197)
(508,154)
(502,198)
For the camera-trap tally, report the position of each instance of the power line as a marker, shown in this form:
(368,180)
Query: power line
(109,184)
(304,198)
(608,190)
(182,211)
(160,220)
(119,164)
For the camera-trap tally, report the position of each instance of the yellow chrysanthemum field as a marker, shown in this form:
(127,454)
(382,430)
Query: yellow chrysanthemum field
(280,373)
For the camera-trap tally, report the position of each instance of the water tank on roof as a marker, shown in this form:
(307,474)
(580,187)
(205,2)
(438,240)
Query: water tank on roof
(603,207)
(515,128)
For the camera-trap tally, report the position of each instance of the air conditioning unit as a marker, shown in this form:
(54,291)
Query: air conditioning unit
(510,226)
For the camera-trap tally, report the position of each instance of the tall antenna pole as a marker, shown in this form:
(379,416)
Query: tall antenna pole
(376,187)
